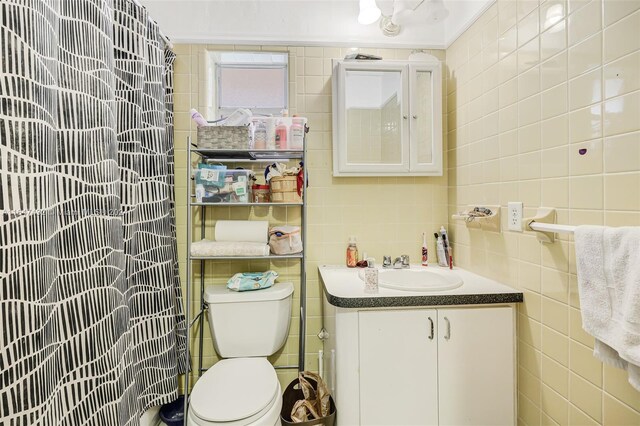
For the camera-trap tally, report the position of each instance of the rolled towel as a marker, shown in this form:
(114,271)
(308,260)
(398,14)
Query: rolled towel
(250,231)
(206,248)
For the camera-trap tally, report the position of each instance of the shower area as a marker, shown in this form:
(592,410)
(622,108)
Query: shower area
(93,329)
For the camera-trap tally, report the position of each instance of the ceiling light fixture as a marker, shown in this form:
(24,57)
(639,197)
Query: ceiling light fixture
(437,11)
(388,27)
(369,12)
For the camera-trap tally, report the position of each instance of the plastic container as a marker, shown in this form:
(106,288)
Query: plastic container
(260,135)
(261,193)
(296,133)
(232,188)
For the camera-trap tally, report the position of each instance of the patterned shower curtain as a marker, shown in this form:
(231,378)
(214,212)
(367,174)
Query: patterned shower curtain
(92,330)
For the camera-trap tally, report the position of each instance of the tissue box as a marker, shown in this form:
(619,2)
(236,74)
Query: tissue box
(224,137)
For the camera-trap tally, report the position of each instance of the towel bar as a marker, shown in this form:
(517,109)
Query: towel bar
(552,227)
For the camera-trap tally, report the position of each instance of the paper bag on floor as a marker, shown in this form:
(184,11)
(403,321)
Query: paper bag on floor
(316,401)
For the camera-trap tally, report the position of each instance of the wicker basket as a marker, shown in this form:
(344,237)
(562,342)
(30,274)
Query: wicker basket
(223,137)
(284,189)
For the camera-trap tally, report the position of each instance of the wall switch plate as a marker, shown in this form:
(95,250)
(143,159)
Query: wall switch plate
(514,216)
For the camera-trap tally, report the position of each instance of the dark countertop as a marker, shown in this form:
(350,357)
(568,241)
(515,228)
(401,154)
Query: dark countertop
(344,289)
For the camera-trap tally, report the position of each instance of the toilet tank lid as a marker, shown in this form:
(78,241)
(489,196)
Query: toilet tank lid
(221,294)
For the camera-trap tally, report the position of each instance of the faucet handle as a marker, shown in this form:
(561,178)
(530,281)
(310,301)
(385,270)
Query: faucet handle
(405,260)
(386,261)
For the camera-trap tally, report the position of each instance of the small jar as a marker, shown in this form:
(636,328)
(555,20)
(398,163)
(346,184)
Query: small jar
(261,193)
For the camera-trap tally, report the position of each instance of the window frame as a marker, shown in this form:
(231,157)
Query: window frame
(218,66)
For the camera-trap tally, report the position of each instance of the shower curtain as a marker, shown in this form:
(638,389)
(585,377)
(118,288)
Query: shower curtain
(92,330)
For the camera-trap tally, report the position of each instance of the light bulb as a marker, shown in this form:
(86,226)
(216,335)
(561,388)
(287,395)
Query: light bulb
(369,12)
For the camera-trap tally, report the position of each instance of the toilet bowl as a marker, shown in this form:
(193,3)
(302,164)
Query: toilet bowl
(237,392)
(246,327)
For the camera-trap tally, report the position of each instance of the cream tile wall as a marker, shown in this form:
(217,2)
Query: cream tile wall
(530,84)
(388,215)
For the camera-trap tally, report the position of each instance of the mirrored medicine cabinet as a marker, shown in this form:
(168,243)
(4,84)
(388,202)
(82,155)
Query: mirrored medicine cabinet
(387,118)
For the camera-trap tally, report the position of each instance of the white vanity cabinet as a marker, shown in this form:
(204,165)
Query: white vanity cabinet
(423,366)
(387,118)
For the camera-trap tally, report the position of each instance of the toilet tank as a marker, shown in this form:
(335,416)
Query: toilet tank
(249,323)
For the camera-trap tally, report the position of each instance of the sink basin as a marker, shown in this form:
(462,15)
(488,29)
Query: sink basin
(417,279)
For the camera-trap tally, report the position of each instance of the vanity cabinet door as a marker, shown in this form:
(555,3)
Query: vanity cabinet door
(398,367)
(476,358)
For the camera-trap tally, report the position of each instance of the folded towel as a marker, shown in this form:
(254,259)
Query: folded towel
(608,263)
(207,248)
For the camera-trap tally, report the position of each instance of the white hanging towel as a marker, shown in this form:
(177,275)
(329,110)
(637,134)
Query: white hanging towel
(608,263)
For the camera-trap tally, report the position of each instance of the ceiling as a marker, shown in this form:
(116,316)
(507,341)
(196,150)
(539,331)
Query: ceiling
(305,22)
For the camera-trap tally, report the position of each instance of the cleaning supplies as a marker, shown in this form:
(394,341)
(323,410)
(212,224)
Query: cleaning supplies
(440,253)
(371,276)
(352,253)
(425,252)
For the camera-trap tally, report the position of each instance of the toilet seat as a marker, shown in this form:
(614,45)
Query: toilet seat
(236,392)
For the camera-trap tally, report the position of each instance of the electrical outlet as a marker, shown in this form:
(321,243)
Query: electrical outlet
(514,216)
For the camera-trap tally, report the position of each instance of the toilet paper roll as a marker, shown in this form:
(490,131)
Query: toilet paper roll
(252,231)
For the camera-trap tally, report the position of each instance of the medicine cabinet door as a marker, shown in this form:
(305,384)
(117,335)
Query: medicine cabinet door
(425,87)
(372,119)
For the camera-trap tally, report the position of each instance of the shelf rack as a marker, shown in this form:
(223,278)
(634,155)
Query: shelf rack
(240,157)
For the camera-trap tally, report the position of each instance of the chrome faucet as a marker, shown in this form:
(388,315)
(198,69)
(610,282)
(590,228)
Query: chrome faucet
(401,262)
(386,262)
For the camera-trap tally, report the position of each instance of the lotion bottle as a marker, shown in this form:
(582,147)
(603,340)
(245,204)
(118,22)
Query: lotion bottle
(281,136)
(198,118)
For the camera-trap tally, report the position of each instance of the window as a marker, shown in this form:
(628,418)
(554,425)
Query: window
(254,80)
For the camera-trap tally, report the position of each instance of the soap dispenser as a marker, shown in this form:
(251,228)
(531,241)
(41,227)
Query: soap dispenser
(352,253)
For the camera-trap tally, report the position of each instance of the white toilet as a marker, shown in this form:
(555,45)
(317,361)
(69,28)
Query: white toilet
(243,388)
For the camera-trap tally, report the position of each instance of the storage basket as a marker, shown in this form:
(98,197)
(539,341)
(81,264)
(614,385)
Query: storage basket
(223,137)
(284,189)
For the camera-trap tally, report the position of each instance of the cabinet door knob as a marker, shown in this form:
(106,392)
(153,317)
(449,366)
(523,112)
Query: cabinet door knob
(431,329)
(404,116)
(414,117)
(447,334)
